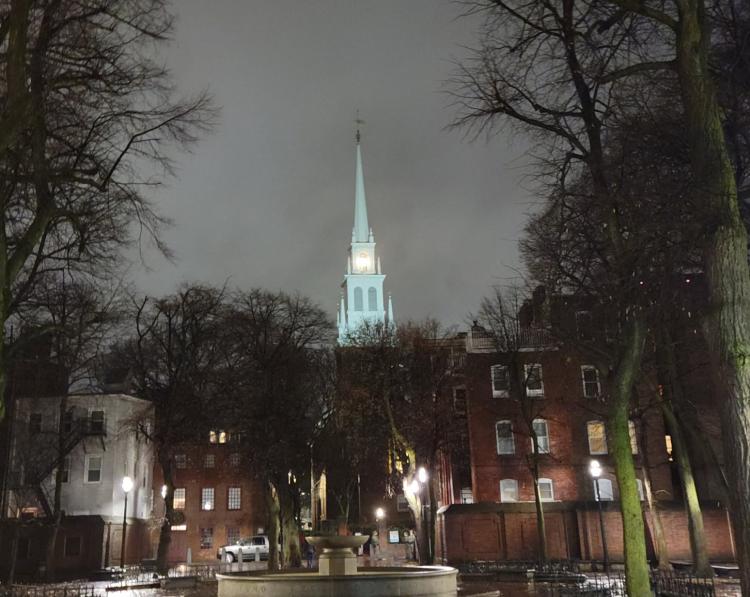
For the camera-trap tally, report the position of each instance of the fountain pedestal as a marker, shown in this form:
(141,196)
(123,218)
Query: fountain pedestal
(338,558)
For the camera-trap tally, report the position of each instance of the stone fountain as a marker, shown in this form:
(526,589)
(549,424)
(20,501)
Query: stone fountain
(338,575)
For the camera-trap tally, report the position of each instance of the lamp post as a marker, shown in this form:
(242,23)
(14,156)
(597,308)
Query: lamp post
(414,488)
(595,470)
(127,486)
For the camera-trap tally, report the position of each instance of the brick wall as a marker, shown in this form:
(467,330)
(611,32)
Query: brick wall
(485,531)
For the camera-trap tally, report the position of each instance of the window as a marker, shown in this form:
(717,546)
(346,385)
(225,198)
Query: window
(217,437)
(533,376)
(668,446)
(606,494)
(358,299)
(372,299)
(590,380)
(234,459)
(179,527)
(467,496)
(66,469)
(633,437)
(597,437)
(67,422)
(207,498)
(234,498)
(93,469)
(500,381)
(508,490)
(401,504)
(207,538)
(180,460)
(504,437)
(233,535)
(639,485)
(209,461)
(96,421)
(459,401)
(546,492)
(178,498)
(583,324)
(35,423)
(72,547)
(542,435)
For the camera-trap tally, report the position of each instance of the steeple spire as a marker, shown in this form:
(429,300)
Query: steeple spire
(361,228)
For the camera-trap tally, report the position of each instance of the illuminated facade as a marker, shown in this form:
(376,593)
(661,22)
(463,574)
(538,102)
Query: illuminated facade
(362,298)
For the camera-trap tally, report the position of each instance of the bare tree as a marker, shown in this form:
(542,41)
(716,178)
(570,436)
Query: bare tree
(86,121)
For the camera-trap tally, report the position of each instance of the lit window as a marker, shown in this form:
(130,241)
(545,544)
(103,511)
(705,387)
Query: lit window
(500,381)
(234,498)
(605,490)
(546,492)
(207,498)
(207,538)
(35,423)
(212,438)
(668,445)
(234,459)
(467,495)
(504,437)
(508,490)
(96,421)
(590,380)
(209,461)
(533,377)
(639,485)
(633,437)
(178,527)
(93,469)
(180,460)
(178,498)
(233,535)
(597,437)
(542,435)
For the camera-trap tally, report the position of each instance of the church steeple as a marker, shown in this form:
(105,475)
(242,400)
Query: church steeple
(362,300)
(361,232)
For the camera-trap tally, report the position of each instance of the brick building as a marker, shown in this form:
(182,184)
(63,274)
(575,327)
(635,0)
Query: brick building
(562,402)
(217,494)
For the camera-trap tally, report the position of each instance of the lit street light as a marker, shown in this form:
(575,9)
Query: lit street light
(127,486)
(379,514)
(595,470)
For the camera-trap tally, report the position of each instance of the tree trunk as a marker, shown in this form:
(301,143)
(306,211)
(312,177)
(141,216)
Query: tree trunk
(725,260)
(49,560)
(292,554)
(662,550)
(13,555)
(626,372)
(672,387)
(165,531)
(432,518)
(272,509)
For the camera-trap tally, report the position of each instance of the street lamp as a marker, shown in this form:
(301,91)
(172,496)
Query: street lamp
(127,486)
(379,514)
(595,470)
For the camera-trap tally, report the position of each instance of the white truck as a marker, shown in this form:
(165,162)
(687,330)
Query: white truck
(245,550)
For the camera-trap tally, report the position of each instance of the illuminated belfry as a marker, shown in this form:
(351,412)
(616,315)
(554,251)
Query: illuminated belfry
(362,289)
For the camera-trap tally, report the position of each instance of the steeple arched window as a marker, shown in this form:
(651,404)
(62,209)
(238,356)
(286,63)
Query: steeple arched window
(372,299)
(358,301)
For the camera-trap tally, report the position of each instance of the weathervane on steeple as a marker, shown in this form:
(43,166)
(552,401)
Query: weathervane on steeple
(358,121)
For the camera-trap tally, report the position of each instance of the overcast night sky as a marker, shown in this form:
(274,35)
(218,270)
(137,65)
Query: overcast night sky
(268,198)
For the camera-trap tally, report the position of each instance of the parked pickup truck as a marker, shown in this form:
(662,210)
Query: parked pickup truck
(244,550)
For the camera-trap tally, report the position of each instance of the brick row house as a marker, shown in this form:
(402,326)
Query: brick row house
(220,500)
(563,403)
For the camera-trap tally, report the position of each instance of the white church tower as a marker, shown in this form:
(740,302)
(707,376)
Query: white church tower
(362,289)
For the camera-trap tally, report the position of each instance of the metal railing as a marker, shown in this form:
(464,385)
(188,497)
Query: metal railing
(51,590)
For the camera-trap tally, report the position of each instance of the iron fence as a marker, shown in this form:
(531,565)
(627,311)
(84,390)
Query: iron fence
(52,590)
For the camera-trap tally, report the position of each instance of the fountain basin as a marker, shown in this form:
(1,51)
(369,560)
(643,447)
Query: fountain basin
(406,581)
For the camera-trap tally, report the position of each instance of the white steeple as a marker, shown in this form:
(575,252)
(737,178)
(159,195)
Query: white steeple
(362,298)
